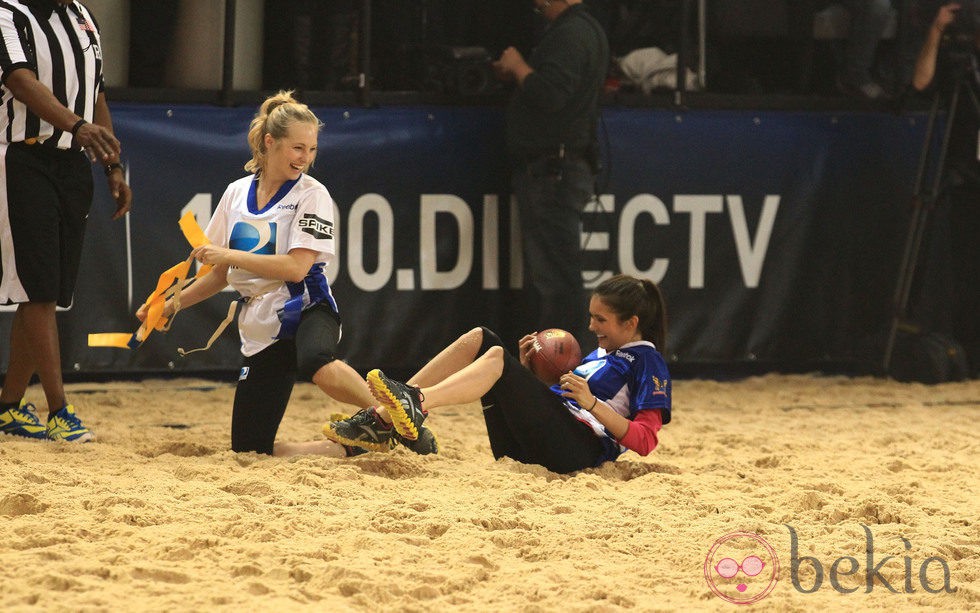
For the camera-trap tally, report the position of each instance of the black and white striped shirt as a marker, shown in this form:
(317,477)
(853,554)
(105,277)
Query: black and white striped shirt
(61,44)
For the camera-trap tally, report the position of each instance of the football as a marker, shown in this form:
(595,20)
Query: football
(555,353)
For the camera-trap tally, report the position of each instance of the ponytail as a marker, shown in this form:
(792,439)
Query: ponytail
(627,296)
(274,117)
(655,329)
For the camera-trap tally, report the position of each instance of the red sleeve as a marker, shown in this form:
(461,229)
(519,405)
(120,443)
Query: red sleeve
(641,434)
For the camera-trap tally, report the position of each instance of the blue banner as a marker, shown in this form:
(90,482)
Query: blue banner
(774,235)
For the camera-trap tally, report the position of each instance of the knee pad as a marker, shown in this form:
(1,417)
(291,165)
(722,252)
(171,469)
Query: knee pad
(308,363)
(316,341)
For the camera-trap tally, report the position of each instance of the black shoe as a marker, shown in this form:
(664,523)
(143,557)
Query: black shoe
(404,403)
(365,429)
(424,445)
(353,450)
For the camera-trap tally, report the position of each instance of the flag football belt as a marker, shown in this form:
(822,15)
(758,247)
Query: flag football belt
(169,286)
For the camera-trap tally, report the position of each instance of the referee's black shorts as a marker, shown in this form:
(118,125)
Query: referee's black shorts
(45,197)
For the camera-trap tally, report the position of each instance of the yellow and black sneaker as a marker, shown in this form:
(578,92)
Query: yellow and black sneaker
(365,429)
(403,402)
(424,445)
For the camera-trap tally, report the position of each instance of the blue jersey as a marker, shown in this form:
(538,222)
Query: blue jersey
(630,379)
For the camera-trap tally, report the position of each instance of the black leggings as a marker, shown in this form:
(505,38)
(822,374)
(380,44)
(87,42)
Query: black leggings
(529,423)
(267,379)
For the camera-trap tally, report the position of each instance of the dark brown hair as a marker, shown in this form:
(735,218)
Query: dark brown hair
(627,296)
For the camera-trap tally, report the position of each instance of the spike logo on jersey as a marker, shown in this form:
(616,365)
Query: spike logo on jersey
(254,237)
(316,227)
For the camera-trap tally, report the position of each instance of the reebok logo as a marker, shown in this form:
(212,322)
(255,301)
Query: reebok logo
(371,433)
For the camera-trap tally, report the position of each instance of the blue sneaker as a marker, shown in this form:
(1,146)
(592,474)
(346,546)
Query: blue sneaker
(22,421)
(403,402)
(65,426)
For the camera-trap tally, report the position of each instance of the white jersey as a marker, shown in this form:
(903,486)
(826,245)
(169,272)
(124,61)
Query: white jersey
(300,215)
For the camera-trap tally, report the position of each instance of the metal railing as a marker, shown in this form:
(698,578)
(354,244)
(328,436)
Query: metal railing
(363,92)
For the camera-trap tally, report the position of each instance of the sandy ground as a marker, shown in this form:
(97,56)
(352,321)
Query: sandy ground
(159,516)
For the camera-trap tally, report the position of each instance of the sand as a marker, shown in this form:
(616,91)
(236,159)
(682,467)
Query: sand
(158,515)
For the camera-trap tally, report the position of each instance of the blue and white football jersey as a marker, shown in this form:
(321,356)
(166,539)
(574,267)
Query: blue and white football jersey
(300,215)
(630,379)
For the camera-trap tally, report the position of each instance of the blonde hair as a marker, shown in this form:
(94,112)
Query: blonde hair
(274,117)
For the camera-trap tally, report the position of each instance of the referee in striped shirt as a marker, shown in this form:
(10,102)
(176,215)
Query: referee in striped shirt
(54,119)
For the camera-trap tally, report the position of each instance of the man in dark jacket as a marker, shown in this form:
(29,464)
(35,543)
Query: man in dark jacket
(551,139)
